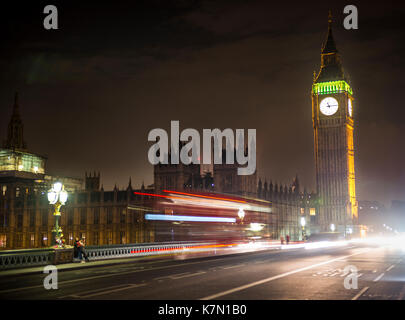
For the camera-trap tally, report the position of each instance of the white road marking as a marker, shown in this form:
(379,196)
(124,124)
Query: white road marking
(180,275)
(235,266)
(379,277)
(103,292)
(170,276)
(390,268)
(188,275)
(252,284)
(360,293)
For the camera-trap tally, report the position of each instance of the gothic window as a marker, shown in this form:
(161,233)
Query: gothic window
(3,240)
(70,216)
(96,216)
(122,216)
(109,215)
(82,216)
(95,238)
(44,217)
(109,239)
(19,220)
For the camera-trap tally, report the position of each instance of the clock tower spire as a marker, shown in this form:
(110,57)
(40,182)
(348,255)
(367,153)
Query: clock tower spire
(332,106)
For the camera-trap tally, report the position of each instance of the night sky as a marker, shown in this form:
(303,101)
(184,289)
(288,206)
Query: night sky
(91,91)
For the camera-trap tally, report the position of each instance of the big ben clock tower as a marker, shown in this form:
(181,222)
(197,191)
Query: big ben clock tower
(332,115)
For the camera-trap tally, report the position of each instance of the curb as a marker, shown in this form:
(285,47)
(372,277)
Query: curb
(128,261)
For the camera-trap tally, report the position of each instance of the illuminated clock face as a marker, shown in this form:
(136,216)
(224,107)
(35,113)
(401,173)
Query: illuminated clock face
(329,106)
(350,107)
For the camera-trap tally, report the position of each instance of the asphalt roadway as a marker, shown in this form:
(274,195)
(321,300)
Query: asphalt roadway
(296,273)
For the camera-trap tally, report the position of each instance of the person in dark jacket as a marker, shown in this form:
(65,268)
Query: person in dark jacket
(76,248)
(287,239)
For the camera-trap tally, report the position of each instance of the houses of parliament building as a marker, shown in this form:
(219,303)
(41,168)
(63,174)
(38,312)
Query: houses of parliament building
(117,216)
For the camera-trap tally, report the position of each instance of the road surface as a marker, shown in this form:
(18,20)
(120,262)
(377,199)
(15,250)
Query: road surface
(316,274)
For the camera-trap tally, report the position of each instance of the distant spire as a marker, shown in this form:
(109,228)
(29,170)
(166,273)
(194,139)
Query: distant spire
(129,184)
(331,66)
(15,132)
(329,46)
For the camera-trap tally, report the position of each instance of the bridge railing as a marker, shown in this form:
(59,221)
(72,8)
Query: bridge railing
(133,250)
(10,259)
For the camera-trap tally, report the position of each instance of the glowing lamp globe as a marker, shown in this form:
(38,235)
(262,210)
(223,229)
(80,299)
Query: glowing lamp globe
(57,187)
(52,197)
(241,213)
(63,195)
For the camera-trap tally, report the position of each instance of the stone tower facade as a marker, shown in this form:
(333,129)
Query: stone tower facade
(332,115)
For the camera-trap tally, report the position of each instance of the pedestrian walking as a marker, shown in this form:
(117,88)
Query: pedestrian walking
(83,250)
(287,237)
(78,249)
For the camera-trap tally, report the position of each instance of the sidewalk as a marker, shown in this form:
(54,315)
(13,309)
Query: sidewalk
(78,265)
(127,260)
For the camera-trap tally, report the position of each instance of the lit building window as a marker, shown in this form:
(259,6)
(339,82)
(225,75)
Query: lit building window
(3,241)
(302,210)
(312,212)
(32,240)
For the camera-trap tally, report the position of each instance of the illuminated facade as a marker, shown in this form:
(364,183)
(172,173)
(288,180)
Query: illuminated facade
(221,178)
(15,160)
(101,217)
(26,218)
(332,115)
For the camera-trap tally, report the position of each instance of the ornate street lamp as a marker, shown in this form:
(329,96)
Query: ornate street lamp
(241,214)
(57,197)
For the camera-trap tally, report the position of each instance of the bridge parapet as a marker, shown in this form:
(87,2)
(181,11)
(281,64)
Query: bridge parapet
(12,259)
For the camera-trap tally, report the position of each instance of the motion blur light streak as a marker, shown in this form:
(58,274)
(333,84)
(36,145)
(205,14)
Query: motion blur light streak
(325,244)
(256,226)
(188,218)
(203,196)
